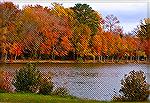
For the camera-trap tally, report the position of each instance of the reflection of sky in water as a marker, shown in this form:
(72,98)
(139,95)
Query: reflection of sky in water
(97,82)
(93,81)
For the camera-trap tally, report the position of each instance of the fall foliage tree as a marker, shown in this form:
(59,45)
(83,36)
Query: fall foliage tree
(59,32)
(86,15)
(144,29)
(27,30)
(87,19)
(143,33)
(62,28)
(97,44)
(110,22)
(8,16)
(16,49)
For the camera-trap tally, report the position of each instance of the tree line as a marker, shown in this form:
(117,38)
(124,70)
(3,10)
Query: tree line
(75,33)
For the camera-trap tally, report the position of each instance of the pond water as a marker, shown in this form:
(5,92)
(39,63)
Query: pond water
(92,81)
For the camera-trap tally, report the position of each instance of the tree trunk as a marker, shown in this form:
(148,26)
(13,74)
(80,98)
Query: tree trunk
(93,58)
(11,58)
(130,58)
(2,57)
(127,58)
(100,58)
(75,55)
(5,56)
(138,58)
(112,60)
(148,58)
(53,52)
(104,58)
(53,57)
(15,57)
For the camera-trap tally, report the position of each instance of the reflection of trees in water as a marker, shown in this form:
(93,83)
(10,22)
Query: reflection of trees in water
(82,74)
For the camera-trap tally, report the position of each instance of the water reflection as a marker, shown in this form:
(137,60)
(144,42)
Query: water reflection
(93,81)
(82,74)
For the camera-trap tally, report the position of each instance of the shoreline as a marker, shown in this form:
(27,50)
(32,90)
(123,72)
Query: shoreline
(72,62)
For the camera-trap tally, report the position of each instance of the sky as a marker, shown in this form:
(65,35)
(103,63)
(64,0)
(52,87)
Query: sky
(129,13)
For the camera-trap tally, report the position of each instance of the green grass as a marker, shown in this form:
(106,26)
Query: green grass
(35,98)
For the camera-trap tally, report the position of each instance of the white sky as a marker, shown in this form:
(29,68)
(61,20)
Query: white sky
(128,12)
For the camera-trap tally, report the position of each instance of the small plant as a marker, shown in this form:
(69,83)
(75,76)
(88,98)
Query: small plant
(27,78)
(133,87)
(118,98)
(80,60)
(46,86)
(61,91)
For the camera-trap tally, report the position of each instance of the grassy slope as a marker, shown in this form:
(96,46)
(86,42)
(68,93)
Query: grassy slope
(35,98)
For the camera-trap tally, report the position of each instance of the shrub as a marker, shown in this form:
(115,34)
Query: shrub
(5,82)
(46,86)
(118,98)
(133,87)
(61,91)
(80,60)
(27,79)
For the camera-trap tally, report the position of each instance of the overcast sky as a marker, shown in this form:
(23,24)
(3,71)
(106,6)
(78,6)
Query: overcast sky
(128,12)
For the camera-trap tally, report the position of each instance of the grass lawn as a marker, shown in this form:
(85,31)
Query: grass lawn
(35,98)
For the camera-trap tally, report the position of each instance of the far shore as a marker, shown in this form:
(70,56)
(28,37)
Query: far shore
(73,62)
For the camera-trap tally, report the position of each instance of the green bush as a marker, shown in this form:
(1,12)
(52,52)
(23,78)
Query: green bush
(133,87)
(3,91)
(61,91)
(27,79)
(80,60)
(119,98)
(46,86)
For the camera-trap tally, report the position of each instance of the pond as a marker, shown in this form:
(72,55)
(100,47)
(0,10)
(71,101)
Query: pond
(92,81)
